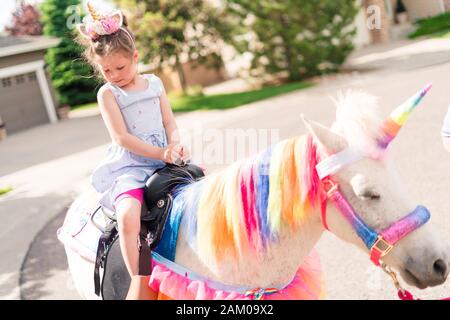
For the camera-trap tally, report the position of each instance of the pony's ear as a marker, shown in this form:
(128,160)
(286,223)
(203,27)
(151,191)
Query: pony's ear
(331,141)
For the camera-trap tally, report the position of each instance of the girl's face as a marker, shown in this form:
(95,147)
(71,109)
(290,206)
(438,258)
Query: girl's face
(118,68)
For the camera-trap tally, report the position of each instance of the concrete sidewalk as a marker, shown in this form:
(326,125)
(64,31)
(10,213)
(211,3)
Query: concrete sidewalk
(49,166)
(401,55)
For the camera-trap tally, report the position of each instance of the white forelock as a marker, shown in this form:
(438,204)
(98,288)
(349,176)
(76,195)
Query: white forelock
(358,120)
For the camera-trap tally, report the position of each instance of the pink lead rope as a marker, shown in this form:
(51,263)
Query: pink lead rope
(403,294)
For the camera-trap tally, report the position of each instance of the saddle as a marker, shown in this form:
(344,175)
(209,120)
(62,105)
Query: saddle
(155,211)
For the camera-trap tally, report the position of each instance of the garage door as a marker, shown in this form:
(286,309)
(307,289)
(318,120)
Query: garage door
(21,102)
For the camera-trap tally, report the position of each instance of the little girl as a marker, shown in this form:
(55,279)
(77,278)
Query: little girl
(142,127)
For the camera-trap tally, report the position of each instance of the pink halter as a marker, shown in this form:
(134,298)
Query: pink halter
(379,243)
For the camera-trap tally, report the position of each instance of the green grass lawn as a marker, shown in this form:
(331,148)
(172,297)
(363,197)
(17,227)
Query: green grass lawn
(5,190)
(231,100)
(84,106)
(221,101)
(436,27)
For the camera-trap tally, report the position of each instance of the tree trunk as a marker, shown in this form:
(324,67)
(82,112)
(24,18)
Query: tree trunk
(181,75)
(294,73)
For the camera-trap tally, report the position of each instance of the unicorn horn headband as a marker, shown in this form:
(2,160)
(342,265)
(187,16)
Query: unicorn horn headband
(92,11)
(398,117)
(95,25)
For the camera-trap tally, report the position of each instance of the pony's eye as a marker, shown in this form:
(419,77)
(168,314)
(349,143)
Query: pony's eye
(370,195)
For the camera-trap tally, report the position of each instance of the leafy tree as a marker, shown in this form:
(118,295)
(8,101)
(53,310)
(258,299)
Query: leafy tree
(25,21)
(169,32)
(71,77)
(303,37)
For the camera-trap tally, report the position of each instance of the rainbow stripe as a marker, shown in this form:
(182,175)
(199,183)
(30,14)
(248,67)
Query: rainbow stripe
(241,210)
(399,116)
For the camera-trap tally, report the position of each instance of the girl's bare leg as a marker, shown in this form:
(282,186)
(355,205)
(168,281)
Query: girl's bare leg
(129,224)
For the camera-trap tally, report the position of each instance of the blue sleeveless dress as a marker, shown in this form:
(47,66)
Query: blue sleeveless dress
(122,170)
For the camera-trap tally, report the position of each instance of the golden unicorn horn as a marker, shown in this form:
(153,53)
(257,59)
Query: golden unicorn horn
(95,16)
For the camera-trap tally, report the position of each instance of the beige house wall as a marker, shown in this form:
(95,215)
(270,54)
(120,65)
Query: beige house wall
(394,27)
(203,75)
(382,34)
(447,5)
(418,9)
(170,79)
(200,75)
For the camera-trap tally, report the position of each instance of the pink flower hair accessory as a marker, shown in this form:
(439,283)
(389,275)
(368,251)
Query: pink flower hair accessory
(95,25)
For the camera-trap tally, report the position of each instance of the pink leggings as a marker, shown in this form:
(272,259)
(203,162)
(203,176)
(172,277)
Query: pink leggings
(137,194)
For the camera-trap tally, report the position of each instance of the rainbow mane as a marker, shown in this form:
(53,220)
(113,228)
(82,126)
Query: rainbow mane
(241,210)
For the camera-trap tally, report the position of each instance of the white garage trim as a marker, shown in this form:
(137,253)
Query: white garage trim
(38,67)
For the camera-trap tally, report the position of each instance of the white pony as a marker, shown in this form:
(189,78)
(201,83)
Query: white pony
(249,230)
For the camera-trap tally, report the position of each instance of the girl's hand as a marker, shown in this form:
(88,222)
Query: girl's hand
(185,154)
(171,153)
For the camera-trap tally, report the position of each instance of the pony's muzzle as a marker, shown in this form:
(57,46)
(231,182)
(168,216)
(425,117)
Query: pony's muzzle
(434,273)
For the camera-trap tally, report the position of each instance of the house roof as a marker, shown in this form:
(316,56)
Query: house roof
(10,45)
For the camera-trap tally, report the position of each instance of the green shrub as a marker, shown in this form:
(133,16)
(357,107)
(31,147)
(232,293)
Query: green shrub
(71,76)
(303,37)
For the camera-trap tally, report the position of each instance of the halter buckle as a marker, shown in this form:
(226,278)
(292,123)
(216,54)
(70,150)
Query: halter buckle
(382,246)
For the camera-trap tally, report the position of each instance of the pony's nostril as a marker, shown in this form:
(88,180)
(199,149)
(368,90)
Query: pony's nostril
(440,267)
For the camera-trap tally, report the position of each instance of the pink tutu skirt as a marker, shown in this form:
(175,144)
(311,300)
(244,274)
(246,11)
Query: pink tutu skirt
(307,284)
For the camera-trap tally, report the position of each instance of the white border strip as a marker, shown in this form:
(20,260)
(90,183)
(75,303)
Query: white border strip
(38,67)
(336,162)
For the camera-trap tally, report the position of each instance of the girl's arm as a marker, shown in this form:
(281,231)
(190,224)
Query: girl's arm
(170,125)
(171,128)
(117,130)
